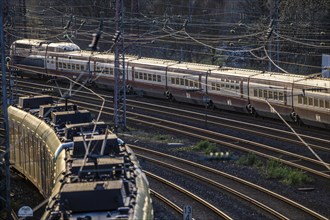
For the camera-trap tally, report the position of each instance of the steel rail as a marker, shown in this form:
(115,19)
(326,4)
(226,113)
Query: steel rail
(226,175)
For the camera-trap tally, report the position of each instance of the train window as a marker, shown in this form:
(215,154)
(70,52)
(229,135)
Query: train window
(60,65)
(305,100)
(172,80)
(186,82)
(237,87)
(177,81)
(260,92)
(326,104)
(281,96)
(69,65)
(227,86)
(191,83)
(140,75)
(196,84)
(181,81)
(154,77)
(310,101)
(145,76)
(64,65)
(275,95)
(232,81)
(270,94)
(218,86)
(159,78)
(213,86)
(321,103)
(222,85)
(149,77)
(316,102)
(255,92)
(265,94)
(300,98)
(112,72)
(23,46)
(136,75)
(77,67)
(232,86)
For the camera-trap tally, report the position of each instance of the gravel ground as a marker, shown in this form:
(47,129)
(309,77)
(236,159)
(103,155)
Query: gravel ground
(316,199)
(24,193)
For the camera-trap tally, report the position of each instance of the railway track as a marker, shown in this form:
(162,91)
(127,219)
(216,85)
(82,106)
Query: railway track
(298,160)
(321,145)
(262,198)
(168,202)
(204,116)
(187,197)
(255,129)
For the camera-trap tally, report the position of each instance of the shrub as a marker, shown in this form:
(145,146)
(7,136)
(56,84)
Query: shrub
(202,145)
(276,170)
(248,160)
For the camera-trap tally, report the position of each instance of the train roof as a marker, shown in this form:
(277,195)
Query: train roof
(35,42)
(65,46)
(74,51)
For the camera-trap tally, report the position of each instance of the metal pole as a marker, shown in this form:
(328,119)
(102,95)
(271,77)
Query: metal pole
(5,112)
(117,71)
(120,73)
(270,42)
(277,38)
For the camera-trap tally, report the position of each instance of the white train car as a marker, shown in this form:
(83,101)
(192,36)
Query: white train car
(301,99)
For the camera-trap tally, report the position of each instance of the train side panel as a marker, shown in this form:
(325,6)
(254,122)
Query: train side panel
(33,143)
(227,92)
(234,89)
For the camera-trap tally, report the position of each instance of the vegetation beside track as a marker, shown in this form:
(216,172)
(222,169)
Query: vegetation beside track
(274,169)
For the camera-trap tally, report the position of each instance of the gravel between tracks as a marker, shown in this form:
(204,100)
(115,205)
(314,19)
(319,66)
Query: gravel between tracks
(25,194)
(316,199)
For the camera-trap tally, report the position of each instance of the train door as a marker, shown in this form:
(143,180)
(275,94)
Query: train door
(51,62)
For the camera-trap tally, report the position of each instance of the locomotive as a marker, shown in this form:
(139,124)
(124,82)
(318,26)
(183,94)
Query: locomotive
(84,169)
(297,98)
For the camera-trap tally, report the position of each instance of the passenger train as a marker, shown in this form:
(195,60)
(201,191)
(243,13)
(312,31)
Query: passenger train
(297,98)
(84,170)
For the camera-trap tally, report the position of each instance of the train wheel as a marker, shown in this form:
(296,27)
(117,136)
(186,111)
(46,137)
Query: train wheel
(210,105)
(251,110)
(129,89)
(254,113)
(295,117)
(171,98)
